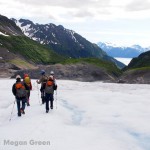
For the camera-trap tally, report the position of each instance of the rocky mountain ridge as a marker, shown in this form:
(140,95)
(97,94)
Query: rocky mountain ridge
(122,51)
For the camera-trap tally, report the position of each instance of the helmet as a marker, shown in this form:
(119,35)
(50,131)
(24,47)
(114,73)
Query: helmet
(52,73)
(18,77)
(42,72)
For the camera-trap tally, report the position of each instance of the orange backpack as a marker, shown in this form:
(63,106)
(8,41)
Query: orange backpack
(20,90)
(49,87)
(49,83)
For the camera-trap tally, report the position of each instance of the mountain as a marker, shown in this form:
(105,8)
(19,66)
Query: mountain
(8,27)
(143,60)
(138,70)
(124,52)
(63,41)
(20,52)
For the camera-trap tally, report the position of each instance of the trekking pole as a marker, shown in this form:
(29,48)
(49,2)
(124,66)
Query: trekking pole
(56,98)
(12,111)
(38,92)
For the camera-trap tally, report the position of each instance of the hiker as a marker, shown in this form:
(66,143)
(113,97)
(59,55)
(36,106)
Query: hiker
(19,90)
(43,79)
(27,80)
(54,79)
(49,92)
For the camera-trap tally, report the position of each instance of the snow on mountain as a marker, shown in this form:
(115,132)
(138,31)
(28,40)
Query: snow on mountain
(3,34)
(139,48)
(88,116)
(107,44)
(30,29)
(122,51)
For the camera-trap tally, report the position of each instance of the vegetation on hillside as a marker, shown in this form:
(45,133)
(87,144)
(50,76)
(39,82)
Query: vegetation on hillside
(110,67)
(142,61)
(39,54)
(30,49)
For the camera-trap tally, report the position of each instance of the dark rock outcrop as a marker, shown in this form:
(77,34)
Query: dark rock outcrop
(135,77)
(79,72)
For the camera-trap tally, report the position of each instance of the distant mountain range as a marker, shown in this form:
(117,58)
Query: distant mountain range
(122,51)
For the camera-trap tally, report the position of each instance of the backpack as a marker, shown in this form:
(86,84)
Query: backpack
(20,90)
(49,87)
(27,81)
(54,85)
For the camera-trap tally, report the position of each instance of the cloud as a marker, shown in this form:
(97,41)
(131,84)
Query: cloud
(73,11)
(67,3)
(96,16)
(75,8)
(82,14)
(138,5)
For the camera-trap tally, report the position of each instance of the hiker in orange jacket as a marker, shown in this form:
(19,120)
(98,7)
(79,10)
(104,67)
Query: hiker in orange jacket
(19,90)
(49,92)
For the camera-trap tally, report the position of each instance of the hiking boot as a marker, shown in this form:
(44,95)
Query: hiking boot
(43,100)
(28,104)
(19,114)
(47,111)
(22,111)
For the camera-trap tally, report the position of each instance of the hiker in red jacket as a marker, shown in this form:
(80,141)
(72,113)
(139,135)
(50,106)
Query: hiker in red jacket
(27,80)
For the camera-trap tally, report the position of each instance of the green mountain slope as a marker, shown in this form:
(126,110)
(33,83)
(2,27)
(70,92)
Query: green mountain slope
(29,49)
(138,70)
(109,67)
(143,60)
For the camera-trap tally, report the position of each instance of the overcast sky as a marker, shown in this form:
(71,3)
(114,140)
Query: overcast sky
(124,22)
